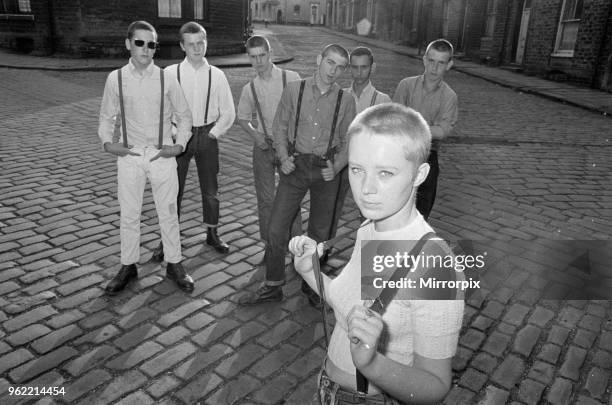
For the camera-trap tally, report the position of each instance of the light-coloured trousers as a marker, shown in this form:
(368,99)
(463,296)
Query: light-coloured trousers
(132,175)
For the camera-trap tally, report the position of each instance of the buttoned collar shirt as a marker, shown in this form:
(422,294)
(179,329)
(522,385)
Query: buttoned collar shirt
(269,93)
(141,100)
(195,86)
(316,116)
(438,106)
(364,100)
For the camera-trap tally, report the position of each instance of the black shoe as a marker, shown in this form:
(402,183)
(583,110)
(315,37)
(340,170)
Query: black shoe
(265,293)
(158,253)
(126,274)
(313,298)
(176,273)
(212,238)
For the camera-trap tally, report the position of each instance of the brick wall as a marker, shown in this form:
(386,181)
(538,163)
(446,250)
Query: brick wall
(27,33)
(96,28)
(604,77)
(539,55)
(475,17)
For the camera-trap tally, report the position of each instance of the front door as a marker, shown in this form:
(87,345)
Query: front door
(522,38)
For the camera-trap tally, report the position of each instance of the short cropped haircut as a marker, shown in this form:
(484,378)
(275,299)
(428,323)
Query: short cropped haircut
(397,120)
(257,41)
(140,25)
(441,45)
(363,51)
(339,49)
(191,27)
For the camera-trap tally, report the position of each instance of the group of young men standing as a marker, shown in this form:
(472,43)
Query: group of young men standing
(298,127)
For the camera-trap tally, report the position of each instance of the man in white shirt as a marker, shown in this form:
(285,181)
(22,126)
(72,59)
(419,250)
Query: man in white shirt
(212,106)
(146,98)
(258,101)
(362,67)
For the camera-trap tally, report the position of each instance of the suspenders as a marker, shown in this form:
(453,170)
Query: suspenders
(178,77)
(297,117)
(258,106)
(330,151)
(160,140)
(373,101)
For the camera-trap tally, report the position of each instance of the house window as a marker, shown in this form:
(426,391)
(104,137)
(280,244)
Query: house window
(15,6)
(491,13)
(169,8)
(568,27)
(296,9)
(199,9)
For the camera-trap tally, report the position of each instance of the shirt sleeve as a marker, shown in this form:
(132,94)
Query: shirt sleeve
(246,104)
(225,101)
(109,109)
(180,110)
(401,92)
(282,119)
(383,98)
(447,118)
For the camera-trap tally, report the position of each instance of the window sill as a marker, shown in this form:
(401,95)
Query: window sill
(26,17)
(562,54)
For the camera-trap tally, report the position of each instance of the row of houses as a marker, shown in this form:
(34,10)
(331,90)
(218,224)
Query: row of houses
(97,28)
(568,40)
(558,39)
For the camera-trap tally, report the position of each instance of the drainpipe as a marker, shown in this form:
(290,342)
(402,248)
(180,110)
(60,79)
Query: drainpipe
(602,48)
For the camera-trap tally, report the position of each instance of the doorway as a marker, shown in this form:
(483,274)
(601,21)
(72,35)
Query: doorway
(522,37)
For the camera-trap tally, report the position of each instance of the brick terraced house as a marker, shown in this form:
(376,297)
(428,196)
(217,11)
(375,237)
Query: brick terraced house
(569,40)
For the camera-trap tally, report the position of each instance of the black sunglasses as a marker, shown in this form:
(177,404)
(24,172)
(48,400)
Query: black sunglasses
(140,43)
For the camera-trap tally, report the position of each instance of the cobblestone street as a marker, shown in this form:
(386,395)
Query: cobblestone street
(519,167)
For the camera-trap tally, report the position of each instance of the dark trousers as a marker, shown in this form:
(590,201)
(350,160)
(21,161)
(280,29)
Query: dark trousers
(206,152)
(343,188)
(264,172)
(291,190)
(426,193)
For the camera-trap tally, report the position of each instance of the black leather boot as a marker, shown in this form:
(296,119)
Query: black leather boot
(213,240)
(265,293)
(176,272)
(126,274)
(158,253)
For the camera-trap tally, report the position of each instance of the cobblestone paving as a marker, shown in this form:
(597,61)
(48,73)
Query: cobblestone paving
(519,168)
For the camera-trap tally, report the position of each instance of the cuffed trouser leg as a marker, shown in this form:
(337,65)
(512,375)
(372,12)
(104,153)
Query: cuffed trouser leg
(164,185)
(131,181)
(207,162)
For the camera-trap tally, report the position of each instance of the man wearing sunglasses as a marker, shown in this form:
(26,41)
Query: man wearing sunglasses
(145,99)
(210,98)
